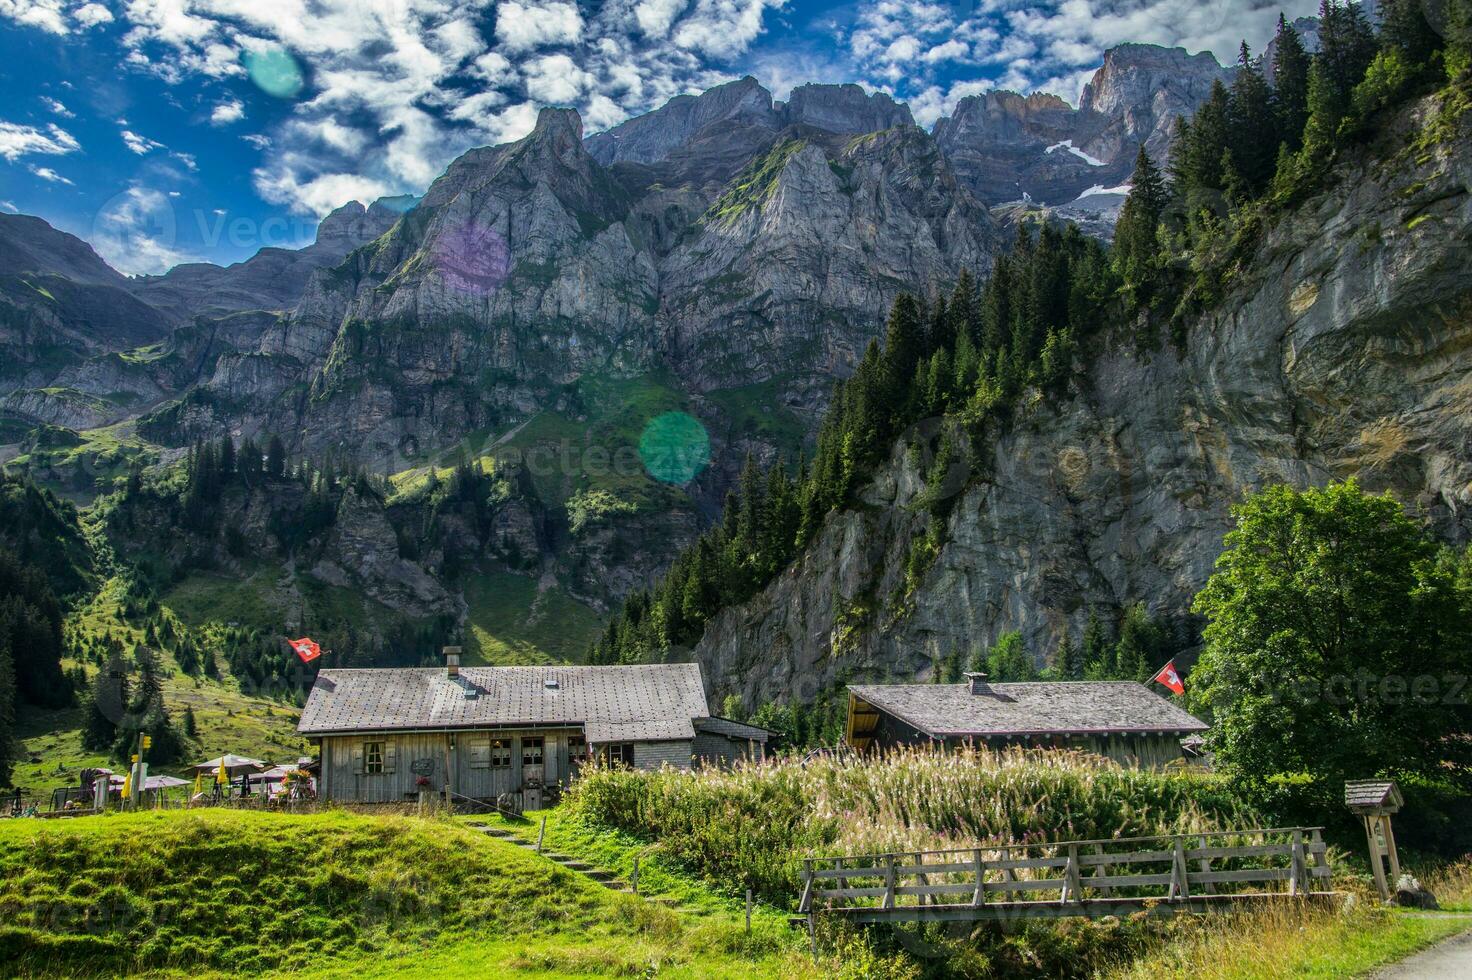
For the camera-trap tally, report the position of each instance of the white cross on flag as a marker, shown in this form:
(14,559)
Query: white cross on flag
(1170,678)
(306,649)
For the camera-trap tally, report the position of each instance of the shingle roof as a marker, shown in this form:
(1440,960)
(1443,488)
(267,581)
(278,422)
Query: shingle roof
(734,729)
(644,702)
(1371,794)
(1060,707)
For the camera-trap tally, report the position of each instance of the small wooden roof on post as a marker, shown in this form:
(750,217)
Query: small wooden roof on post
(1372,797)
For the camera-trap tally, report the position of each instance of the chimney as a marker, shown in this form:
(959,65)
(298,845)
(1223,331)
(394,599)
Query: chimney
(977,682)
(452,663)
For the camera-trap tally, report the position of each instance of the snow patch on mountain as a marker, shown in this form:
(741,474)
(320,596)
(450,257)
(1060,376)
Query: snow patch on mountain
(1068,145)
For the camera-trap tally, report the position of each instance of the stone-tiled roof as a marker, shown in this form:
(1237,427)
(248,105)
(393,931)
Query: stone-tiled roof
(644,702)
(734,729)
(1041,708)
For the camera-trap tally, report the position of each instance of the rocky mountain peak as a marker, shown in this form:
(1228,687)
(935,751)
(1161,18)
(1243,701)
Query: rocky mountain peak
(558,124)
(353,224)
(651,137)
(844,109)
(29,245)
(1004,115)
(1135,75)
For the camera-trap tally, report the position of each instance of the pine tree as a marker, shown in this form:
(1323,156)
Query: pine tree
(1403,27)
(227,457)
(1290,85)
(1135,241)
(7,710)
(191,727)
(1069,659)
(1346,45)
(1458,38)
(1253,131)
(1207,138)
(105,705)
(276,458)
(1326,109)
(903,347)
(1097,649)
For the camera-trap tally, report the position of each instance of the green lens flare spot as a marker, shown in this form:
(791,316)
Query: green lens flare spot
(274,71)
(674,447)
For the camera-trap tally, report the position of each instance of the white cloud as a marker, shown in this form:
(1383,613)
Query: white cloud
(47,15)
(257,140)
(136,232)
(10,206)
(16,141)
(46,173)
(229,111)
(656,16)
(396,89)
(92,14)
(320,193)
(555,79)
(523,27)
(948,51)
(57,108)
(723,28)
(140,145)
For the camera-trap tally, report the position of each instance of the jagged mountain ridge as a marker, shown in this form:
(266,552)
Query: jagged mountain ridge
(740,249)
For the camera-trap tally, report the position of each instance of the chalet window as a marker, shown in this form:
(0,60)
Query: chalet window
(577,748)
(619,754)
(373,757)
(500,754)
(531,753)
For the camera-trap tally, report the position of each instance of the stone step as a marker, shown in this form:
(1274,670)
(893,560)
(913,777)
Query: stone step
(607,879)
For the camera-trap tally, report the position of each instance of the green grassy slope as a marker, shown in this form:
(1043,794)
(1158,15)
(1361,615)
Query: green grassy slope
(513,620)
(335,894)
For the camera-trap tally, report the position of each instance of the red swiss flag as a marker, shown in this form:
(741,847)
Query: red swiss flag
(306,649)
(1170,678)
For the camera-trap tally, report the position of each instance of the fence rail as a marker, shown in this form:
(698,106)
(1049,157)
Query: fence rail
(1193,872)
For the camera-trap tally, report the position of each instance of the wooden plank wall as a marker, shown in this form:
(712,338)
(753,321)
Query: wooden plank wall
(439,755)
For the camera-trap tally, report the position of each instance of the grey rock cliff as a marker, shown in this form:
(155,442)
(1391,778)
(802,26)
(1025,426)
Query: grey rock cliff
(1344,353)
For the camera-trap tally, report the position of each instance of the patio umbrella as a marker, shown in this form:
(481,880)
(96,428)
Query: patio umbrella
(231,765)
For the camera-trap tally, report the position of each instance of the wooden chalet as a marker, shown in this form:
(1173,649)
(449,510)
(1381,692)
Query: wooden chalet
(484,732)
(1121,720)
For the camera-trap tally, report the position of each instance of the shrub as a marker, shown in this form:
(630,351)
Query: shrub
(754,824)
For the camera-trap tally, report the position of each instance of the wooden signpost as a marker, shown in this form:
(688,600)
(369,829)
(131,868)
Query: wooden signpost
(1374,800)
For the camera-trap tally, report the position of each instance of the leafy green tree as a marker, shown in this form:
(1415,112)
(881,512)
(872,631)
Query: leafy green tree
(1006,660)
(1333,634)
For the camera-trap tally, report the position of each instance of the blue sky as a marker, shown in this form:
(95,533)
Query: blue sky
(166,131)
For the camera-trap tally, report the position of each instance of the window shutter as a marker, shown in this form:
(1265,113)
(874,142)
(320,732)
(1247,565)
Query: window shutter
(480,753)
(390,755)
(358,759)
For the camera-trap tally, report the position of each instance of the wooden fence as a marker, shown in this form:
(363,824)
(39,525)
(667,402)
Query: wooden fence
(1093,878)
